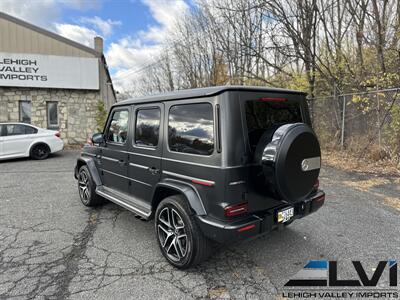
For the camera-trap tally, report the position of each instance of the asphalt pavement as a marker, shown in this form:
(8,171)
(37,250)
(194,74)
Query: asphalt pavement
(52,247)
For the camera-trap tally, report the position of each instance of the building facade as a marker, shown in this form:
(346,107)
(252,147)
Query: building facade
(50,81)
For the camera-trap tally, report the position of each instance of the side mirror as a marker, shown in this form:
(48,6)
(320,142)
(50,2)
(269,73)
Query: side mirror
(98,138)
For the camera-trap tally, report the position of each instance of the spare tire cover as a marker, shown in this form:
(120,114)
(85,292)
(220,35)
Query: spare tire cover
(290,159)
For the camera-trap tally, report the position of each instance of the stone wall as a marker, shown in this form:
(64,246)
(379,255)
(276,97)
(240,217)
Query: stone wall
(77,110)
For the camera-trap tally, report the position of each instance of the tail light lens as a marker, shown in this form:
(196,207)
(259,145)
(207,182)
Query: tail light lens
(236,210)
(57,134)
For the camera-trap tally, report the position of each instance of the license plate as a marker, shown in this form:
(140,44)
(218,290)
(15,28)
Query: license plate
(285,215)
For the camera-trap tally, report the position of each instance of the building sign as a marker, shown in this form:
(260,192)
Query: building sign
(49,71)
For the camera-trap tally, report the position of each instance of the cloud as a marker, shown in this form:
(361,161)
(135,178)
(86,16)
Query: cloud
(165,13)
(37,12)
(85,34)
(76,33)
(104,26)
(46,13)
(81,4)
(43,12)
(129,56)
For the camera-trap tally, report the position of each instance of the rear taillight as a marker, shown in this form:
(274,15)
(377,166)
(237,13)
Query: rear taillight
(235,210)
(57,134)
(272,99)
(316,184)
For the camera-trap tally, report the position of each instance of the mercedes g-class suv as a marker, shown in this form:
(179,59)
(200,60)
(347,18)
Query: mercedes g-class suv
(209,165)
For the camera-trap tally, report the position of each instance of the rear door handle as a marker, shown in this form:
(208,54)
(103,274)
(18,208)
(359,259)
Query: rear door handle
(121,162)
(153,170)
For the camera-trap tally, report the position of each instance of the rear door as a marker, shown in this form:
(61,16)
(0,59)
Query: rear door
(17,139)
(144,169)
(113,155)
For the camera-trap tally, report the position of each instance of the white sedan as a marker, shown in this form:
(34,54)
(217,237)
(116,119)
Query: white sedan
(24,140)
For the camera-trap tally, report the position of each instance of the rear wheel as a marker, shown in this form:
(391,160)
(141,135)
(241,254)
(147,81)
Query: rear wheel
(87,188)
(180,239)
(40,151)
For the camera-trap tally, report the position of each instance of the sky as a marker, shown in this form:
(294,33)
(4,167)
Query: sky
(133,30)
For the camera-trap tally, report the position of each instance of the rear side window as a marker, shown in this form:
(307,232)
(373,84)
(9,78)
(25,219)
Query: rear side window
(147,127)
(30,130)
(191,128)
(118,127)
(17,129)
(264,115)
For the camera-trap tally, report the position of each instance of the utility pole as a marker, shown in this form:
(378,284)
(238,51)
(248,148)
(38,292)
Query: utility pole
(378,117)
(343,117)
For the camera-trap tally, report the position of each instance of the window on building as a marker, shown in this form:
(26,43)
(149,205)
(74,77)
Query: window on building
(52,115)
(147,127)
(191,128)
(117,131)
(25,111)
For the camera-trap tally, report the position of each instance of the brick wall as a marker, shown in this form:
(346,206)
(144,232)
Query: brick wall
(77,110)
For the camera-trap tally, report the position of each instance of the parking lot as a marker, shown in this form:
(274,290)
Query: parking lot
(53,247)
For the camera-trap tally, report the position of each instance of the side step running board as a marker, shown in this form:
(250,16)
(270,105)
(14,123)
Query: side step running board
(122,202)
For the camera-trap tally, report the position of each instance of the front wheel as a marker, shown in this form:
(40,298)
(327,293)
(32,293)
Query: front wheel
(178,235)
(87,188)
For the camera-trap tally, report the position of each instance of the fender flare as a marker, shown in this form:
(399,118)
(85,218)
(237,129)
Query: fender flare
(187,190)
(89,162)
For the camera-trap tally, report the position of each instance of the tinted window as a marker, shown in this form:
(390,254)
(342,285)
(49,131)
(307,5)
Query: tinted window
(25,111)
(18,129)
(52,115)
(30,130)
(118,127)
(147,126)
(263,115)
(191,128)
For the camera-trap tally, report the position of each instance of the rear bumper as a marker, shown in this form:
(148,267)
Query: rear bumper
(56,145)
(254,225)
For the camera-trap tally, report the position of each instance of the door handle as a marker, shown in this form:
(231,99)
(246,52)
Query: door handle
(121,162)
(153,170)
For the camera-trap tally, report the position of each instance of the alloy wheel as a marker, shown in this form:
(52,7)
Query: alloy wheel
(172,234)
(84,188)
(40,152)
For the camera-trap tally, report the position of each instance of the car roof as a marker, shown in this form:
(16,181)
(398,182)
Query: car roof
(19,123)
(203,92)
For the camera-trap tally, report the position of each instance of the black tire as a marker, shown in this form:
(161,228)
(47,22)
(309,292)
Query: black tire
(180,253)
(87,188)
(40,151)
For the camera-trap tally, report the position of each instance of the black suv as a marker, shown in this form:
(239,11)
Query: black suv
(210,165)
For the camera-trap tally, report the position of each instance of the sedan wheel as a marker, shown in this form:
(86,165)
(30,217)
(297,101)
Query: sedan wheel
(40,152)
